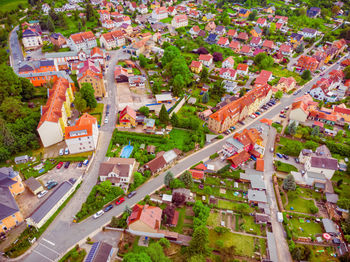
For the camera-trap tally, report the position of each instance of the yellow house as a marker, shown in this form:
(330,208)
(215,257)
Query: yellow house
(145,219)
(196,67)
(96,80)
(286,84)
(127,117)
(10,186)
(295,39)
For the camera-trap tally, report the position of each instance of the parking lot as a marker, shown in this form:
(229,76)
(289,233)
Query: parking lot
(28,202)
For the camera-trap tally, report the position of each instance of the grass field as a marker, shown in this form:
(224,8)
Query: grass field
(249,225)
(305,229)
(284,167)
(213,220)
(8,5)
(298,204)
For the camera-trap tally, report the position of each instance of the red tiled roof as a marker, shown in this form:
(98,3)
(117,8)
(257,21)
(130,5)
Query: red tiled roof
(239,158)
(82,37)
(342,110)
(285,48)
(287,80)
(255,40)
(201,166)
(261,21)
(260,164)
(245,49)
(222,41)
(231,32)
(242,36)
(149,215)
(196,64)
(127,110)
(268,44)
(242,67)
(196,174)
(204,57)
(234,44)
(85,122)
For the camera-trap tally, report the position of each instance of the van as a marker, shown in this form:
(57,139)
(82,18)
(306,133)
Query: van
(279,217)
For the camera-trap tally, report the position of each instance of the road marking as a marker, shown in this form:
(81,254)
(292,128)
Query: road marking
(50,249)
(42,255)
(48,241)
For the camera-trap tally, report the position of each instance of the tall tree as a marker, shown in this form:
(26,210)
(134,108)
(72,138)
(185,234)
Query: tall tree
(168,178)
(204,75)
(170,53)
(89,12)
(205,98)
(292,128)
(163,115)
(144,110)
(79,102)
(279,94)
(306,75)
(88,93)
(187,179)
(289,183)
(199,241)
(174,119)
(179,84)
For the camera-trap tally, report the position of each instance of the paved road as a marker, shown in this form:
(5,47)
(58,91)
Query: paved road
(16,50)
(63,234)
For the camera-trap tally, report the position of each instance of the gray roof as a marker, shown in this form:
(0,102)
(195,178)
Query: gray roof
(32,183)
(8,205)
(99,252)
(235,143)
(6,173)
(169,156)
(316,175)
(332,198)
(20,158)
(257,182)
(323,162)
(51,201)
(271,245)
(328,225)
(257,196)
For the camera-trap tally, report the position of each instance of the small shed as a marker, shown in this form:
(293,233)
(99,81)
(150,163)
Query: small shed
(21,159)
(151,149)
(167,198)
(34,185)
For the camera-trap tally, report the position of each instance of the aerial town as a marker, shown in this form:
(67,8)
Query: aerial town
(188,130)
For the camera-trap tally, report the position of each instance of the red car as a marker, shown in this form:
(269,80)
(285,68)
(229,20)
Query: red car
(59,165)
(119,201)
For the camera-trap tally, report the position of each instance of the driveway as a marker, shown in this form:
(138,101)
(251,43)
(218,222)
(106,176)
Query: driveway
(16,49)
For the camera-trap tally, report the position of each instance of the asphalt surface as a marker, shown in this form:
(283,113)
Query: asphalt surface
(16,50)
(63,234)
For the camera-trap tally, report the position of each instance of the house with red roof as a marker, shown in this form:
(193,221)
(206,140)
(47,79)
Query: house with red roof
(145,218)
(286,84)
(55,114)
(112,39)
(228,62)
(104,15)
(342,112)
(307,63)
(242,69)
(196,66)
(279,26)
(263,78)
(90,72)
(260,165)
(84,40)
(321,91)
(228,73)
(127,117)
(201,166)
(109,24)
(268,45)
(207,59)
(238,159)
(197,174)
(194,13)
(83,136)
(160,13)
(242,36)
(256,41)
(232,33)
(142,9)
(246,50)
(299,111)
(336,76)
(261,22)
(285,49)
(223,42)
(235,46)
(194,31)
(172,11)
(179,21)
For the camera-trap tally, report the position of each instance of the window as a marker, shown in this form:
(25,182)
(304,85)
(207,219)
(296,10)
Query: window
(13,215)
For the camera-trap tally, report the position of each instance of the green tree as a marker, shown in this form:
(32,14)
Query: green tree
(170,53)
(292,128)
(136,257)
(204,75)
(301,252)
(142,60)
(156,87)
(89,12)
(174,119)
(163,115)
(306,75)
(11,109)
(144,110)
(50,24)
(168,178)
(187,179)
(315,131)
(88,94)
(279,94)
(300,48)
(179,84)
(252,15)
(205,98)
(199,241)
(226,21)
(347,72)
(272,29)
(289,183)
(266,63)
(80,102)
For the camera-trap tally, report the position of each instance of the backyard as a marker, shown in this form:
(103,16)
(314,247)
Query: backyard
(304,227)
(284,167)
(298,204)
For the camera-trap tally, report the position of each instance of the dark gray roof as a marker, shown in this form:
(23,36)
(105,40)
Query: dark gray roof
(32,183)
(323,162)
(257,196)
(329,226)
(271,245)
(309,30)
(6,173)
(332,198)
(51,201)
(257,182)
(8,205)
(99,252)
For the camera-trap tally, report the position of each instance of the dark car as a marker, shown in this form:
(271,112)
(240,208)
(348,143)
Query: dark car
(107,208)
(52,185)
(72,180)
(297,160)
(279,155)
(285,157)
(283,116)
(66,165)
(80,164)
(131,194)
(241,122)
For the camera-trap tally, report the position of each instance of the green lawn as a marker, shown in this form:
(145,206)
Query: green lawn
(180,222)
(249,225)
(224,204)
(74,255)
(244,245)
(305,229)
(214,220)
(277,71)
(166,20)
(8,5)
(284,167)
(299,204)
(179,137)
(278,127)
(322,254)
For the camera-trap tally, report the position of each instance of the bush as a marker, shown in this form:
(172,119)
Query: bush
(213,156)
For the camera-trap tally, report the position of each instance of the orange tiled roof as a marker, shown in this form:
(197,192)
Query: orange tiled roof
(85,122)
(82,37)
(239,158)
(260,164)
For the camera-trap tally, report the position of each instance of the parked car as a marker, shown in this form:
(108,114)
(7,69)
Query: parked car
(106,120)
(98,214)
(233,128)
(286,108)
(66,151)
(107,208)
(52,185)
(80,164)
(283,116)
(282,112)
(67,164)
(49,182)
(271,149)
(59,165)
(258,113)
(131,194)
(61,152)
(297,160)
(119,201)
(241,122)
(86,162)
(42,193)
(279,155)
(253,116)
(285,157)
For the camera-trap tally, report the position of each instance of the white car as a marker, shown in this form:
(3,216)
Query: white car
(61,152)
(66,151)
(42,193)
(253,116)
(106,120)
(98,214)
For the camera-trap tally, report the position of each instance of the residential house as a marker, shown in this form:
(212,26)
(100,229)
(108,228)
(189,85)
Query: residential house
(127,117)
(109,24)
(100,252)
(322,165)
(321,90)
(223,42)
(211,26)
(142,9)
(145,219)
(321,58)
(162,160)
(307,63)
(228,62)
(83,136)
(268,45)
(31,39)
(22,159)
(261,22)
(242,69)
(309,32)
(104,15)
(160,13)
(37,67)
(172,11)
(90,72)
(228,74)
(202,33)
(207,60)
(313,12)
(255,42)
(286,84)
(256,31)
(197,175)
(179,21)
(34,185)
(10,186)
(57,39)
(270,9)
(220,30)
(285,49)
(194,14)
(137,81)
(54,115)
(118,171)
(196,66)
(299,112)
(256,196)
(194,31)
(238,159)
(243,13)
(242,36)
(211,39)
(84,40)
(132,7)
(237,110)
(263,78)
(343,113)
(295,39)
(232,33)
(208,17)
(329,118)
(246,50)
(235,46)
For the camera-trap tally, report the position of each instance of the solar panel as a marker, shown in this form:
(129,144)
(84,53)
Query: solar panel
(92,252)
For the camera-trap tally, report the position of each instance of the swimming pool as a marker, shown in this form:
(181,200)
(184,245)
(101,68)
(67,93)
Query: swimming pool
(126,151)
